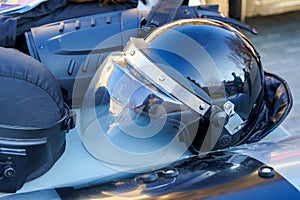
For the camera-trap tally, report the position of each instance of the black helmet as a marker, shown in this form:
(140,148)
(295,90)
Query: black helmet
(196,82)
(33,120)
(221,68)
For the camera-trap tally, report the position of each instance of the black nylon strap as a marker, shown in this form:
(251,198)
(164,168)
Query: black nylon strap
(163,12)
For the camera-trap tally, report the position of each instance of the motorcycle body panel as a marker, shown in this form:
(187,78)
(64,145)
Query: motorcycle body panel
(228,174)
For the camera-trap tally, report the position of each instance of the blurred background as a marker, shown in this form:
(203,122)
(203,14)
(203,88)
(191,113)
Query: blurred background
(278,42)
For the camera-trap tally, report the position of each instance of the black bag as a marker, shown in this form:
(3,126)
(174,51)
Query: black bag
(33,120)
(73,49)
(15,24)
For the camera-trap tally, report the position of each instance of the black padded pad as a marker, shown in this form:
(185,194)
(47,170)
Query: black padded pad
(30,96)
(278,103)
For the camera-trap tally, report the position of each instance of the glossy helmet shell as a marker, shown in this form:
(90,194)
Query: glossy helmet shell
(218,59)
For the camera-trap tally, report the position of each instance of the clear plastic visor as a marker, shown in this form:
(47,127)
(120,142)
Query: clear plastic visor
(129,123)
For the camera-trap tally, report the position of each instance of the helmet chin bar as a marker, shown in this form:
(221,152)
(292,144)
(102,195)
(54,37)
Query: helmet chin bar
(235,122)
(136,58)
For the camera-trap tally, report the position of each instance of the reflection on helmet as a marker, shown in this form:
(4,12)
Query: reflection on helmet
(192,85)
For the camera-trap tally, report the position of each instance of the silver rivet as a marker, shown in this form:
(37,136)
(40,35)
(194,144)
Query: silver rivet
(161,78)
(227,106)
(132,53)
(202,106)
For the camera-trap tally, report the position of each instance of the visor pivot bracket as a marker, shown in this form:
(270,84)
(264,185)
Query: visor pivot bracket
(229,108)
(235,122)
